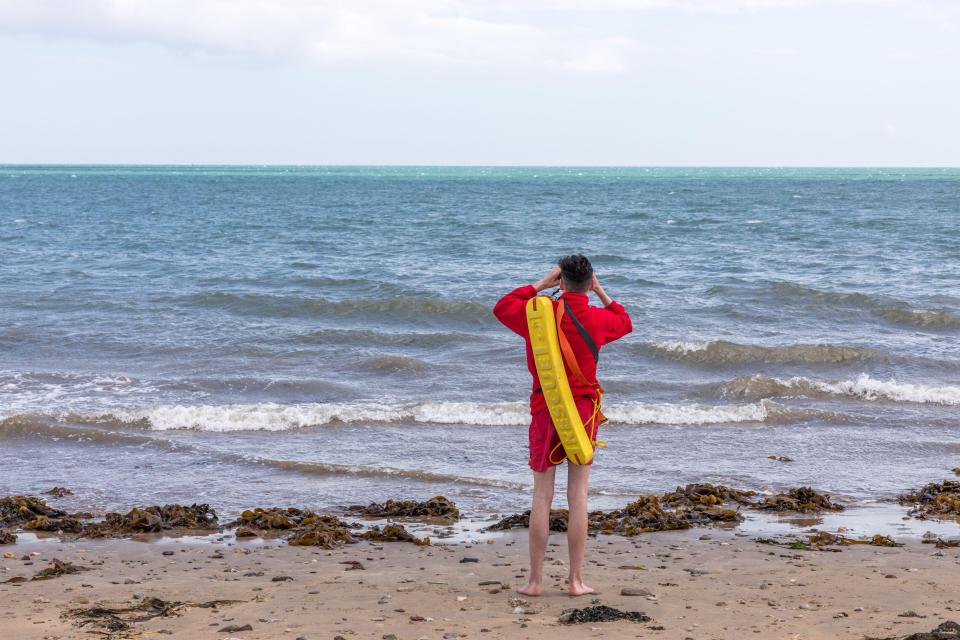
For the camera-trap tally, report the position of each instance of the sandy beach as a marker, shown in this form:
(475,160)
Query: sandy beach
(701,583)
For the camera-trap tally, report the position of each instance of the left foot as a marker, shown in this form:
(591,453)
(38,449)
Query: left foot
(577,588)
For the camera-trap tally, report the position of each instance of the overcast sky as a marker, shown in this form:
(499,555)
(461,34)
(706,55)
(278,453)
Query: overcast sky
(542,82)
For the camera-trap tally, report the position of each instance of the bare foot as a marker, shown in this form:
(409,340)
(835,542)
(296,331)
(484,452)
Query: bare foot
(577,588)
(532,589)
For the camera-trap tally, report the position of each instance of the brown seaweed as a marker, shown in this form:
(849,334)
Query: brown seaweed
(272,519)
(321,531)
(59,492)
(116,622)
(825,538)
(153,520)
(393,533)
(17,510)
(558,521)
(7,537)
(935,500)
(945,631)
(600,613)
(68,524)
(708,495)
(802,499)
(437,508)
(59,568)
(645,514)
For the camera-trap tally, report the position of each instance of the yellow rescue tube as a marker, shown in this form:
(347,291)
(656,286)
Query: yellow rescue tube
(542,324)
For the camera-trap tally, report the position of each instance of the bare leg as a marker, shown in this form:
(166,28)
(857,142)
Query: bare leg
(578,478)
(543,482)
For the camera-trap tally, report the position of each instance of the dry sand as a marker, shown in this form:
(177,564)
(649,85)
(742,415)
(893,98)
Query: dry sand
(705,584)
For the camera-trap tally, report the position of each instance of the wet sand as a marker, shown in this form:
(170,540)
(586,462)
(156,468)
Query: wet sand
(704,584)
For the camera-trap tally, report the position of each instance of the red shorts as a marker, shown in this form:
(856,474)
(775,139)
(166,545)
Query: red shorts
(544,438)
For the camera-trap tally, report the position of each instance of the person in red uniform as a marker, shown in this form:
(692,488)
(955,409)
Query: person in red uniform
(575,277)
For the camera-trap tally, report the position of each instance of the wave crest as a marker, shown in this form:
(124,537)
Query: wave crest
(863,387)
(723,352)
(937,318)
(280,417)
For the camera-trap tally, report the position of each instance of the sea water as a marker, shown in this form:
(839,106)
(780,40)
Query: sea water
(322,336)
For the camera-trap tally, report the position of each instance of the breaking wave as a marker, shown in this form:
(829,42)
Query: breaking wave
(880,306)
(863,387)
(283,417)
(723,352)
(938,318)
(395,364)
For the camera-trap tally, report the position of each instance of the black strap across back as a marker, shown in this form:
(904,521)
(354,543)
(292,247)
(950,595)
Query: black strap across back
(583,332)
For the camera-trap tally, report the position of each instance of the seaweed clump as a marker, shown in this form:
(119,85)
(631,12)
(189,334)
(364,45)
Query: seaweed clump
(437,508)
(693,505)
(934,500)
(7,537)
(825,538)
(316,530)
(600,613)
(708,495)
(394,533)
(18,510)
(558,521)
(801,499)
(643,515)
(153,520)
(306,527)
(120,619)
(945,631)
(59,568)
(270,519)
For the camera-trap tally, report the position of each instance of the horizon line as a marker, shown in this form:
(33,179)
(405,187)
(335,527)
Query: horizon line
(466,166)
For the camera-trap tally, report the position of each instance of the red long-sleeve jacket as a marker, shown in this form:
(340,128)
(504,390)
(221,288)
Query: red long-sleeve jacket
(604,324)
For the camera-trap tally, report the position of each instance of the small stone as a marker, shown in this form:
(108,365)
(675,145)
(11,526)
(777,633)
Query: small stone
(168,553)
(233,628)
(635,591)
(466,560)
(281,579)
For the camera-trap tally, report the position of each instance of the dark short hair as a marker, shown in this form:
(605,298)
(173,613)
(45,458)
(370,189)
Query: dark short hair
(577,272)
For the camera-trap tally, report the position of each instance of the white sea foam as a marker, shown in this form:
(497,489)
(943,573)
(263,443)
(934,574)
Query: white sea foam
(681,347)
(872,389)
(277,417)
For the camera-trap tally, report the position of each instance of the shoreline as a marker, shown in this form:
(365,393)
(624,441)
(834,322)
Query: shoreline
(699,583)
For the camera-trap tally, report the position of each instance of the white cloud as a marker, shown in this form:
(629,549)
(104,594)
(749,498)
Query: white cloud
(441,31)
(503,33)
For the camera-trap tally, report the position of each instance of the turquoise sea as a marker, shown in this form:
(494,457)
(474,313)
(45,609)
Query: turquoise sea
(321,336)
